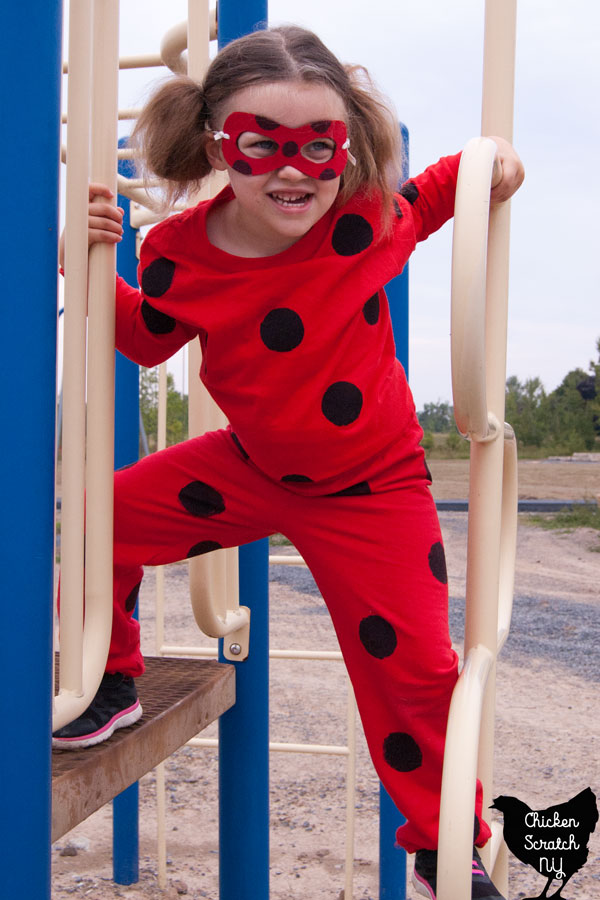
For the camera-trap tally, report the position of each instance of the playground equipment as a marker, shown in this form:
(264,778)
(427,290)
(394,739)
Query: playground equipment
(79,679)
(479,325)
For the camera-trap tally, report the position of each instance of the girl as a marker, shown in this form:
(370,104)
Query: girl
(281,278)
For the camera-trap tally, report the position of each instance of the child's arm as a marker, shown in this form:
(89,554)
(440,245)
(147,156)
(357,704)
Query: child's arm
(142,333)
(508,173)
(105,221)
(432,193)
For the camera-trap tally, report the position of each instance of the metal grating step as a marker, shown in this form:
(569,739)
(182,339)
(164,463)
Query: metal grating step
(180,697)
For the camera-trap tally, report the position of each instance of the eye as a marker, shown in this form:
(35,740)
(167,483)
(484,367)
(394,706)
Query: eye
(319,151)
(256,146)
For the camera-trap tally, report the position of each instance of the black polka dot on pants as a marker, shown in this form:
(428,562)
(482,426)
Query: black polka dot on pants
(132,598)
(238,444)
(351,235)
(402,752)
(377,636)
(342,403)
(200,499)
(437,562)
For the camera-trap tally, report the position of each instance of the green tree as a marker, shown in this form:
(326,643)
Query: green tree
(437,417)
(524,410)
(569,416)
(177,408)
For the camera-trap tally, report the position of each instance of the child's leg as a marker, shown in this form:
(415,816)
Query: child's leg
(379,562)
(194,497)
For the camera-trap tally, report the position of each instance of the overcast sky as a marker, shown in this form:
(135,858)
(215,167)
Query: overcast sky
(426,55)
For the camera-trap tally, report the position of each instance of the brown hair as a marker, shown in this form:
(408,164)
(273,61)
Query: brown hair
(173,129)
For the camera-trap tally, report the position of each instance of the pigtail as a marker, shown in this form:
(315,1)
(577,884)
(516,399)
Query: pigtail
(171,137)
(375,143)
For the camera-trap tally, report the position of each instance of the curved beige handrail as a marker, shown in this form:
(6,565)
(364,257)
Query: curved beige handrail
(460,764)
(82,661)
(469,272)
(175,43)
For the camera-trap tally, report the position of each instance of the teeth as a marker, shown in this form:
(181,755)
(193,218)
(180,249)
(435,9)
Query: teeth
(290,201)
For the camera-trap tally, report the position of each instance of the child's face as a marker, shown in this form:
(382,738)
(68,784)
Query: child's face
(276,208)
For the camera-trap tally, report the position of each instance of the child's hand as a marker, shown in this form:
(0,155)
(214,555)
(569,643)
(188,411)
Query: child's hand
(508,173)
(104,220)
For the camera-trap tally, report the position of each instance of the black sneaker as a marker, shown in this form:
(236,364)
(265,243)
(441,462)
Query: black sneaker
(115,705)
(425,877)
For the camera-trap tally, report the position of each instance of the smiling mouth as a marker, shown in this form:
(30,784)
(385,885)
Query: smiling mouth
(289,201)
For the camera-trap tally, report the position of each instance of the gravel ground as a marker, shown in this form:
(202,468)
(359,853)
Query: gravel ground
(547,736)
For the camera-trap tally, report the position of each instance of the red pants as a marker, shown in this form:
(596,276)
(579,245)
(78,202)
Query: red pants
(374,547)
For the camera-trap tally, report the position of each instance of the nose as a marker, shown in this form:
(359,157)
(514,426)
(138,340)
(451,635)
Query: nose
(291,173)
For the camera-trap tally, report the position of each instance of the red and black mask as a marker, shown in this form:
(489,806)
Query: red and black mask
(253,145)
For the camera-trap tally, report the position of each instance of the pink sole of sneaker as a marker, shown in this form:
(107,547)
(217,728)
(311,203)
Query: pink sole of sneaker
(122,719)
(422,887)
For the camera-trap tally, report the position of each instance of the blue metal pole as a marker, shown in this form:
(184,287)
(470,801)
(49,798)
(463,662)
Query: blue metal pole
(244,748)
(392,859)
(30,65)
(126,804)
(244,729)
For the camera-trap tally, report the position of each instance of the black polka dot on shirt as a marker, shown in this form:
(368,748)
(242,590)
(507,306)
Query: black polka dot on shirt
(371,310)
(282,330)
(402,752)
(351,235)
(241,166)
(133,598)
(157,277)
(355,490)
(200,499)
(156,322)
(342,403)
(437,562)
(203,547)
(377,636)
(410,192)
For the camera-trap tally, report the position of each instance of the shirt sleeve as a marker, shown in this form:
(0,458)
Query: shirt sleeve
(431,196)
(145,332)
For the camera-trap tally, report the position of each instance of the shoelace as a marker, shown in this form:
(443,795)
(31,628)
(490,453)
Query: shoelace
(475,868)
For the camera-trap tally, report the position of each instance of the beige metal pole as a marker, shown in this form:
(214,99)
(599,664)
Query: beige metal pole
(74,355)
(492,508)
(485,513)
(78,689)
(214,577)
(101,357)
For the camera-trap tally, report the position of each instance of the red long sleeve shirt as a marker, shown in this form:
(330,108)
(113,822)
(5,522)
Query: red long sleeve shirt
(297,347)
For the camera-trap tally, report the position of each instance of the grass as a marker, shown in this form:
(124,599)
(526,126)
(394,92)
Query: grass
(568,520)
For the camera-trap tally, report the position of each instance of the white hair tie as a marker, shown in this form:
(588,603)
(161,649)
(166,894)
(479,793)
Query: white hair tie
(218,135)
(345,146)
